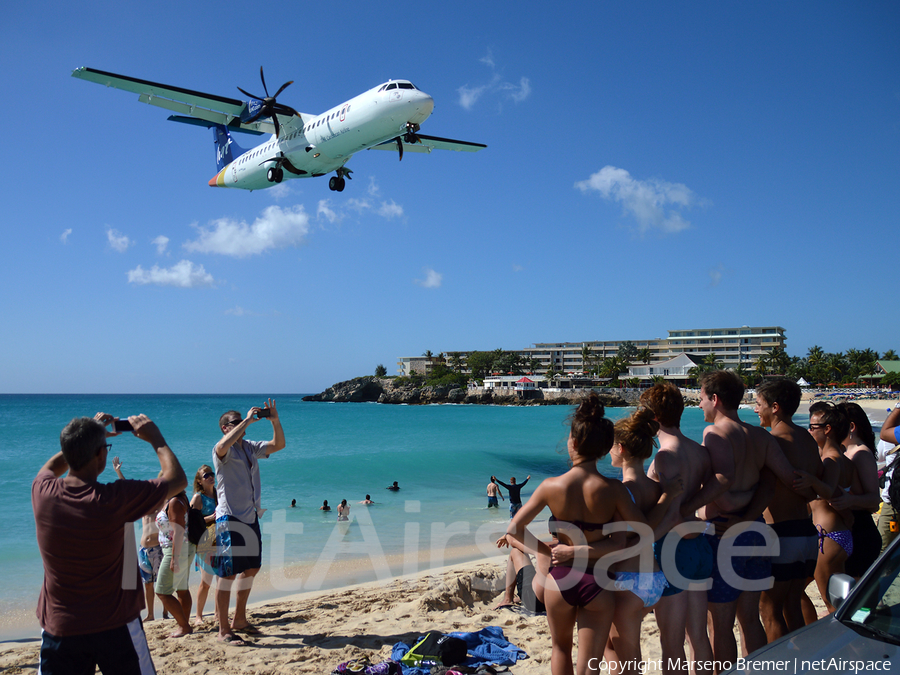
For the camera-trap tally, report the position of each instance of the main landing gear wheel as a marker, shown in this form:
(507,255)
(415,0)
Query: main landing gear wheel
(275,175)
(336,183)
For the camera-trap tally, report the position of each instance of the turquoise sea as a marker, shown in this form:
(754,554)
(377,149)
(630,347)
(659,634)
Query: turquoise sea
(441,455)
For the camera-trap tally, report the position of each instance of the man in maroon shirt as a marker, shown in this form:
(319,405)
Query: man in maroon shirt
(91,601)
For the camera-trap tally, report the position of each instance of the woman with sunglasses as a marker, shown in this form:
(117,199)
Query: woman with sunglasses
(205,501)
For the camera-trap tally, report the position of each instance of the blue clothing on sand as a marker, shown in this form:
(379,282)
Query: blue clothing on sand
(487,645)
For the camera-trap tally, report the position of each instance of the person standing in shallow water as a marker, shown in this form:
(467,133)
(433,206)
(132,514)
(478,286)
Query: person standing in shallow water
(492,493)
(343,510)
(515,493)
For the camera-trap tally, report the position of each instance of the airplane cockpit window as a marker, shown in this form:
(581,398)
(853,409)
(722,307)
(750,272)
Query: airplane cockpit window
(392,85)
(406,85)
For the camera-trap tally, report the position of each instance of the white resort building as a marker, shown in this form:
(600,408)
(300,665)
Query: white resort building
(732,346)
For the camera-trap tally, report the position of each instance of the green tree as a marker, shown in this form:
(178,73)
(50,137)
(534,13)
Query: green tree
(587,358)
(380,370)
(889,355)
(779,361)
(455,361)
(644,355)
(481,364)
(627,351)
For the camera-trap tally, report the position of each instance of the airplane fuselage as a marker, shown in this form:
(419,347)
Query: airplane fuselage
(317,145)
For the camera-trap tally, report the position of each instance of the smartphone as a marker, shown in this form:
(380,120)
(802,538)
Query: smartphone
(122,425)
(263,412)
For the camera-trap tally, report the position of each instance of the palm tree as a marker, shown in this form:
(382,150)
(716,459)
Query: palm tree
(711,362)
(643,355)
(587,358)
(779,361)
(889,355)
(762,364)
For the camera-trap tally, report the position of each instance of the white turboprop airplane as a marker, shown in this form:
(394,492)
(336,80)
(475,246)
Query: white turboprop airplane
(387,117)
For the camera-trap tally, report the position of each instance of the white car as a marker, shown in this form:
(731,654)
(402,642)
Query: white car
(862,636)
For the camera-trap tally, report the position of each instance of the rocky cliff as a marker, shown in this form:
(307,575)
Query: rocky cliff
(383,390)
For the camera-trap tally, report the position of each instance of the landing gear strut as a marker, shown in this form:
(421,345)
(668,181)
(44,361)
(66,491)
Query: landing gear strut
(337,183)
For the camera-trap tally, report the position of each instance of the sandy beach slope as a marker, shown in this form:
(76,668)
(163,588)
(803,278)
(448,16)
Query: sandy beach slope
(314,632)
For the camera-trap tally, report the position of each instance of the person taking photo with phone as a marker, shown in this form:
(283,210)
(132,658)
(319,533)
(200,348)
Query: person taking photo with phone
(238,554)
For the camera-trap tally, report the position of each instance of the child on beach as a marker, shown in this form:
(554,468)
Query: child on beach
(150,553)
(205,501)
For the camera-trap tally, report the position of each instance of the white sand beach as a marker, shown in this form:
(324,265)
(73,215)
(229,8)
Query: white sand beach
(314,632)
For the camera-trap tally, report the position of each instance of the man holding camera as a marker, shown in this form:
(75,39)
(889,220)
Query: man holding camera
(90,602)
(238,537)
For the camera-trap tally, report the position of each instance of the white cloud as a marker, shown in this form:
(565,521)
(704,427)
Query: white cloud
(117,240)
(715,275)
(275,228)
(64,237)
(325,211)
(390,210)
(183,274)
(646,200)
(161,242)
(470,95)
(432,279)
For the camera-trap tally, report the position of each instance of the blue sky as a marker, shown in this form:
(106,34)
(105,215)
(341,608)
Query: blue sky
(650,166)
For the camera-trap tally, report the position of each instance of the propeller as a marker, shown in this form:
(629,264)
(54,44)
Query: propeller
(270,107)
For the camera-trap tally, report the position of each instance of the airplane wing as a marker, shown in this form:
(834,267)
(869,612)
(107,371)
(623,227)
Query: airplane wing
(209,107)
(429,143)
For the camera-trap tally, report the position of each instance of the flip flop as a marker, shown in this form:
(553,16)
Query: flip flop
(232,640)
(249,629)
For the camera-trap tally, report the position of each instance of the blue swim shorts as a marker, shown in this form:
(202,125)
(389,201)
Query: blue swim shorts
(238,546)
(492,501)
(751,568)
(693,560)
(148,563)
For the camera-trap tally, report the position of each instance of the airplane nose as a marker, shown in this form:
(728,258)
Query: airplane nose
(423,106)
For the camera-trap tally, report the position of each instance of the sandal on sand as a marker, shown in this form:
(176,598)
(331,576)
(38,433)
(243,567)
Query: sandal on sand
(232,640)
(249,629)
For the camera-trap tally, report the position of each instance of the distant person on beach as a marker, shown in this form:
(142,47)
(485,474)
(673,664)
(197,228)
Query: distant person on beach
(680,610)
(204,500)
(366,501)
(393,487)
(515,493)
(788,513)
(343,510)
(150,553)
(888,523)
(325,506)
(492,493)
(89,607)
(236,461)
(581,502)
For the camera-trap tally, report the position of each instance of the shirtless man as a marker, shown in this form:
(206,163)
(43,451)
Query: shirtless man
(739,492)
(492,493)
(788,515)
(680,609)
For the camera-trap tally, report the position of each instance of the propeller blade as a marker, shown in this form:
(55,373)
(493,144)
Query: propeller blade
(400,147)
(247,93)
(283,87)
(286,109)
(263,78)
(277,126)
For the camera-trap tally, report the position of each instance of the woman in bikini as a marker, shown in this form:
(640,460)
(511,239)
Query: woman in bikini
(829,425)
(859,448)
(581,502)
(205,501)
(637,590)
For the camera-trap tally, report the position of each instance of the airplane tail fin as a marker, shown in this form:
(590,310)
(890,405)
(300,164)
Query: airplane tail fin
(226,148)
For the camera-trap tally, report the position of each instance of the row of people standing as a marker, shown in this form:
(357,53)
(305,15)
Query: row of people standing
(741,474)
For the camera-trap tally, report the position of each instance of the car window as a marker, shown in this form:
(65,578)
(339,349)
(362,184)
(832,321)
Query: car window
(877,604)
